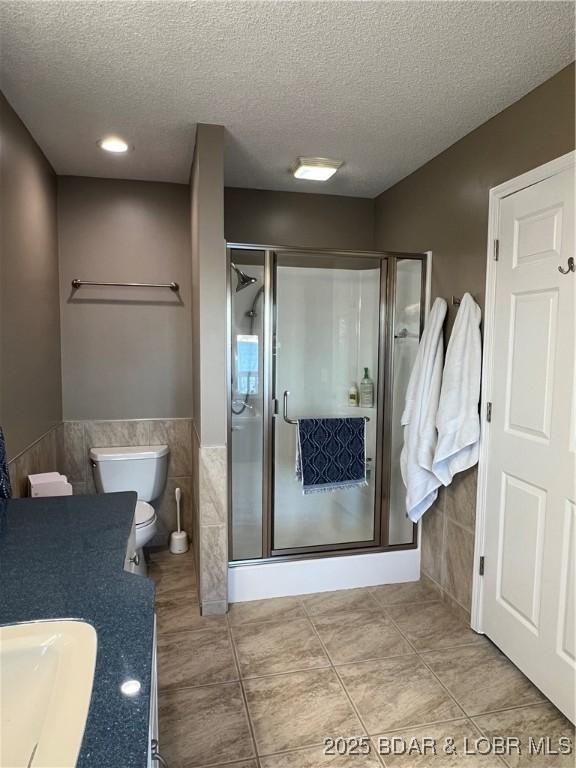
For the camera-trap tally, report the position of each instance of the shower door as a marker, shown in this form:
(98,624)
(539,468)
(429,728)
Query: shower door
(326,329)
(247,407)
(308,323)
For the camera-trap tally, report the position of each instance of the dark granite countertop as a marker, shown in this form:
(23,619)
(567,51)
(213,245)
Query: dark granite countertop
(64,558)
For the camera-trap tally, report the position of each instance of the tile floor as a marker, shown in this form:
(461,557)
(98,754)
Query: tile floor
(264,686)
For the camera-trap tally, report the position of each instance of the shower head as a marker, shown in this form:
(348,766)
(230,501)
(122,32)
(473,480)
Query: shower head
(244,280)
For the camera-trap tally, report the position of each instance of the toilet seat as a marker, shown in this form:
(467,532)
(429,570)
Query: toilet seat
(144,514)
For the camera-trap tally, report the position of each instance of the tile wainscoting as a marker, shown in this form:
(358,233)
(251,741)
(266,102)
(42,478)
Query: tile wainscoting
(211,525)
(43,455)
(447,529)
(448,541)
(79,436)
(199,471)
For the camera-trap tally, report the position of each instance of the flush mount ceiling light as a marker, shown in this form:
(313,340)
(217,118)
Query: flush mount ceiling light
(113,144)
(315,168)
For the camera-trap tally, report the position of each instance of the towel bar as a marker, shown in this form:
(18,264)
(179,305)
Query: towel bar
(288,420)
(173,286)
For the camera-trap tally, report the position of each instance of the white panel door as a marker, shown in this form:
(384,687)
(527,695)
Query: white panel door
(528,593)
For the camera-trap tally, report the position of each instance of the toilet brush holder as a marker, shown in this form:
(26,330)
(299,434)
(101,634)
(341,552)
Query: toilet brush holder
(179,538)
(178,542)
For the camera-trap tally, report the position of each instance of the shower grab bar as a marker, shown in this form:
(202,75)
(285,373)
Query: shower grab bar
(288,420)
(173,286)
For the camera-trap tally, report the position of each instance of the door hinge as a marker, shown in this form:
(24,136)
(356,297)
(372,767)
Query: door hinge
(496,252)
(481,567)
(488,412)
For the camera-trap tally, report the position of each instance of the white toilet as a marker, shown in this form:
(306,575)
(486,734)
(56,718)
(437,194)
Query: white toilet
(142,469)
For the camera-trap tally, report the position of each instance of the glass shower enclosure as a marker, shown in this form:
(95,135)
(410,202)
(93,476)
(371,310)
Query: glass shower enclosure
(304,329)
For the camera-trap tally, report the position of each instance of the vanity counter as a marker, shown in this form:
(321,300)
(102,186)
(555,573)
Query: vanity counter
(64,558)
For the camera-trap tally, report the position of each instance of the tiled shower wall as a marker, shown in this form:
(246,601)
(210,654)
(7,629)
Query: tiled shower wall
(448,540)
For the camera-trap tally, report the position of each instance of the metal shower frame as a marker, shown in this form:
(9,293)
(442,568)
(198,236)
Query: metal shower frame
(387,261)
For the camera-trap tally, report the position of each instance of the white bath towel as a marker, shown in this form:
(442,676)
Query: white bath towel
(419,417)
(457,421)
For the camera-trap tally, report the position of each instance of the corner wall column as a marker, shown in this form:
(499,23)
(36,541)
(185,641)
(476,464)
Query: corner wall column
(210,529)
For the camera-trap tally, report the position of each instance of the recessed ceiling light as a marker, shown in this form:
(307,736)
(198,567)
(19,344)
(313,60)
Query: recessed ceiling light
(315,168)
(113,144)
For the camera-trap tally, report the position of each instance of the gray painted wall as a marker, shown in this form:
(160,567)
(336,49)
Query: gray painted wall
(126,352)
(298,218)
(209,285)
(30,388)
(443,206)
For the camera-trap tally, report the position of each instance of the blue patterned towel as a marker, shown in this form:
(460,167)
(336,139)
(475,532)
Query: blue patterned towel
(5,488)
(331,454)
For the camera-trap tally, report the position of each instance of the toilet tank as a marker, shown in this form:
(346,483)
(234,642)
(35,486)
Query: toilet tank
(140,468)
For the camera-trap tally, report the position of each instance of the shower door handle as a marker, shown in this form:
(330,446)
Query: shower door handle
(287,419)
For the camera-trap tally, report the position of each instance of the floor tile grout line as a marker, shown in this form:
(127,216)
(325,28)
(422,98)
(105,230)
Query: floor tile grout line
(294,750)
(501,761)
(486,735)
(243,691)
(237,627)
(442,721)
(453,696)
(272,674)
(249,678)
(373,660)
(456,647)
(228,764)
(343,687)
(332,664)
(403,603)
(428,668)
(164,691)
(413,727)
(447,689)
(512,708)
(279,674)
(418,654)
(189,687)
(240,624)
(472,720)
(188,631)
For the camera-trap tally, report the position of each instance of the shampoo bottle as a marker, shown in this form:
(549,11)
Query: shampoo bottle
(353,395)
(366,391)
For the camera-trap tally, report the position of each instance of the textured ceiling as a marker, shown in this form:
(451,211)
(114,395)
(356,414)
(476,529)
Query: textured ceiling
(384,86)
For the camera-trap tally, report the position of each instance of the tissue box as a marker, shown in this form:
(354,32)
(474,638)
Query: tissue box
(49,484)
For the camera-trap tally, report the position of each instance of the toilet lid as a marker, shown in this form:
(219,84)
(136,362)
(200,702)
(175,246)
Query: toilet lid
(144,513)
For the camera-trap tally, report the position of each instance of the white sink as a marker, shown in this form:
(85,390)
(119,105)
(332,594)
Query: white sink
(46,674)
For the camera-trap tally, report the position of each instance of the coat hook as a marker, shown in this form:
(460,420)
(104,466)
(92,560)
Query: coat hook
(570,268)
(456,301)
